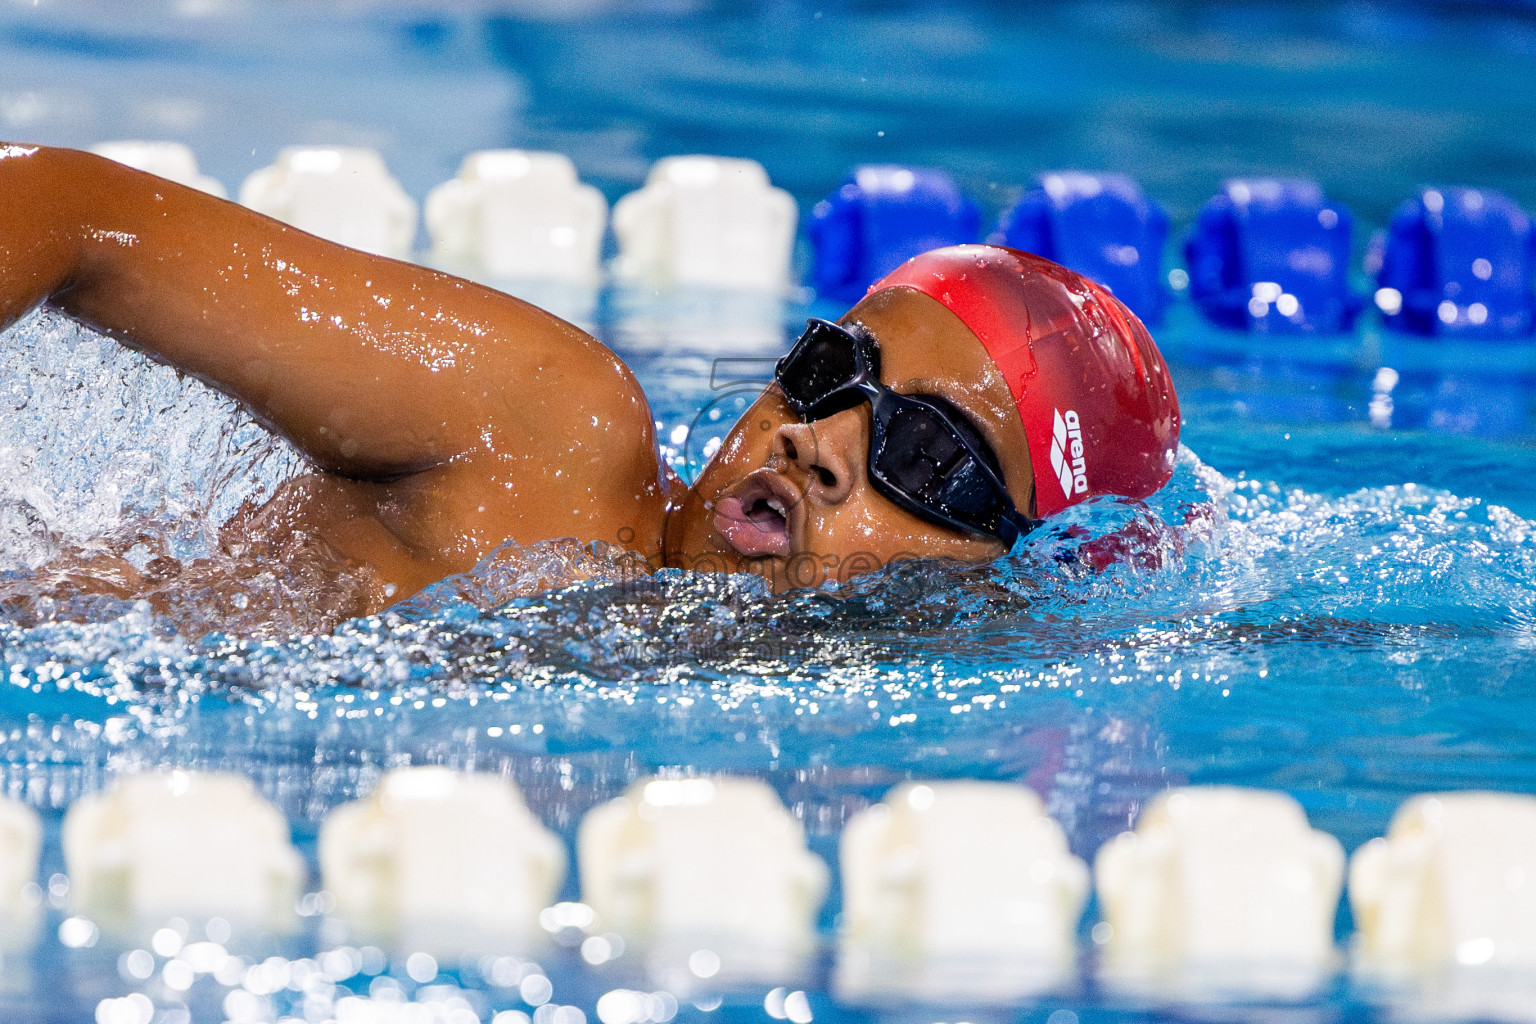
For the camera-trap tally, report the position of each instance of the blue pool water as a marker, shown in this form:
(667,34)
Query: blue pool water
(1337,595)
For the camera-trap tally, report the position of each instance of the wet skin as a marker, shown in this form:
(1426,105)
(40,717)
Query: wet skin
(836,524)
(443,417)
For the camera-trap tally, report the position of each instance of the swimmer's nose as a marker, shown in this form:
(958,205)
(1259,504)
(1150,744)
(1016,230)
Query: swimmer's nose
(820,452)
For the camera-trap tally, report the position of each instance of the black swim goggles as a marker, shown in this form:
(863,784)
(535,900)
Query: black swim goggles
(924,454)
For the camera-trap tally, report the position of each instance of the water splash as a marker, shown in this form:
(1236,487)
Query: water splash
(95,437)
(1229,628)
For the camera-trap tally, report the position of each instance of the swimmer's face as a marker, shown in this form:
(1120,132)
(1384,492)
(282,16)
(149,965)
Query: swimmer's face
(792,501)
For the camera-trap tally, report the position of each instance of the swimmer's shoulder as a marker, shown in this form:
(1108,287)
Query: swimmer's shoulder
(567,449)
(574,399)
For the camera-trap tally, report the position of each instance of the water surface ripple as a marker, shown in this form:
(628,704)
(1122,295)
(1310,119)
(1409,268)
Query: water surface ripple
(1347,644)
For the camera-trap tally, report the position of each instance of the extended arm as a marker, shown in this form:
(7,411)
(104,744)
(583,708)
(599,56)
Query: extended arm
(449,417)
(373,368)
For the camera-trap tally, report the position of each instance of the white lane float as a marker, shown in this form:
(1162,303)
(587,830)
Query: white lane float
(709,872)
(185,844)
(1453,882)
(21,841)
(1220,888)
(172,160)
(957,890)
(516,214)
(342,193)
(1445,908)
(442,861)
(706,222)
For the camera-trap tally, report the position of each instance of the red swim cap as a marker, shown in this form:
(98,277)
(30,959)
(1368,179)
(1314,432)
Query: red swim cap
(1093,392)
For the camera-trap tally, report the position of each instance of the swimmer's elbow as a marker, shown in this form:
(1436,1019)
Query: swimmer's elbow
(374,467)
(362,458)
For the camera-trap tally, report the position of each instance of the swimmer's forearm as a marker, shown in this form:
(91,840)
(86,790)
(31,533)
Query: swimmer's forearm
(374,368)
(39,249)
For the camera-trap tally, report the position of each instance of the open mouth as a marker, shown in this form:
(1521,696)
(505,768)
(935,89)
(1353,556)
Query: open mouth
(754,517)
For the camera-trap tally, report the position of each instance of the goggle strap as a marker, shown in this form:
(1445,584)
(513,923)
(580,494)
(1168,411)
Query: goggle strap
(1014,525)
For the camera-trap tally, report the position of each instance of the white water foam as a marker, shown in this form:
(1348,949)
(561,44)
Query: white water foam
(95,437)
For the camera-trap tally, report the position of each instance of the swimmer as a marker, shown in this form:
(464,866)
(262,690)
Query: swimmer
(973,393)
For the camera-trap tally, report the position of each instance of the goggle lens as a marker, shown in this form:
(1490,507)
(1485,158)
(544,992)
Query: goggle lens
(816,375)
(919,454)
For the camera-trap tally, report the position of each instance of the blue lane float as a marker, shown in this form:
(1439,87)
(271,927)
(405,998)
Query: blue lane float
(1458,262)
(1266,255)
(1272,255)
(1100,225)
(881,216)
